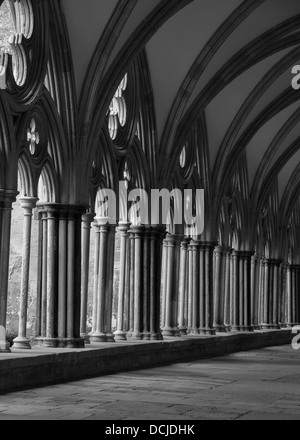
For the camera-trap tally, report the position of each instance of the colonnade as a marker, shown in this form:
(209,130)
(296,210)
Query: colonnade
(169,285)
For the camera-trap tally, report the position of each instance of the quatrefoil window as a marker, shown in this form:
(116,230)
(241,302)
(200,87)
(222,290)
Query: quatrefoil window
(118,110)
(33,137)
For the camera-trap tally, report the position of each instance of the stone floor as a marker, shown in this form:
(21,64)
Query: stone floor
(257,385)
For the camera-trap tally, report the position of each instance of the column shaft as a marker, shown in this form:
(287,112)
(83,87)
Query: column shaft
(86,242)
(22,342)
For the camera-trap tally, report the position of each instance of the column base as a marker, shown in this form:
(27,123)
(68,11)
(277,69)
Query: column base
(193,332)
(146,336)
(169,332)
(70,343)
(270,327)
(21,344)
(97,338)
(228,329)
(110,337)
(220,329)
(256,327)
(156,337)
(136,336)
(292,325)
(5,348)
(207,332)
(48,342)
(243,329)
(183,331)
(86,338)
(120,336)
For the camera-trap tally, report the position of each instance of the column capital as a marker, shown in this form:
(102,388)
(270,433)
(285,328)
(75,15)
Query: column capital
(208,245)
(60,209)
(222,250)
(88,217)
(137,231)
(8,197)
(294,267)
(105,221)
(194,245)
(28,202)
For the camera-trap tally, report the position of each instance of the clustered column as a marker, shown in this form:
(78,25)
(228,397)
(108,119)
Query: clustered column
(293,310)
(145,276)
(103,286)
(59,278)
(271,294)
(255,291)
(241,291)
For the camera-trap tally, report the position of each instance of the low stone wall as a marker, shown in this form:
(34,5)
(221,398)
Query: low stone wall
(40,367)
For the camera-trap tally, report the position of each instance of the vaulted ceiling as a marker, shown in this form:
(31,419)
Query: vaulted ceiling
(230,59)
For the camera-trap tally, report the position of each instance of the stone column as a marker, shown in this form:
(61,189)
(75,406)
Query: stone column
(235,312)
(277,294)
(293,296)
(247,257)
(96,277)
(146,284)
(22,342)
(104,283)
(241,299)
(164,275)
(227,320)
(194,323)
(110,283)
(207,288)
(120,334)
(284,295)
(271,295)
(255,286)
(39,278)
(220,286)
(261,292)
(44,274)
(183,286)
(60,276)
(86,244)
(7,198)
(131,263)
(170,329)
(157,234)
(52,278)
(138,233)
